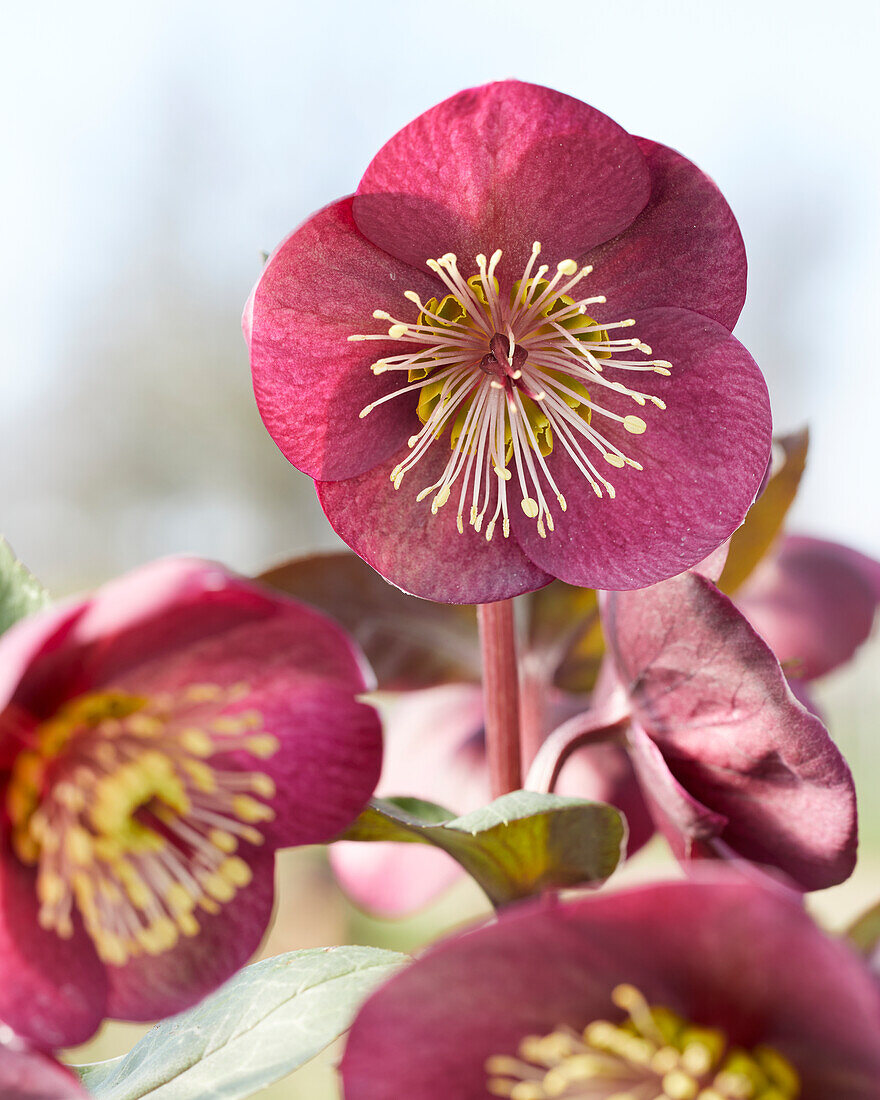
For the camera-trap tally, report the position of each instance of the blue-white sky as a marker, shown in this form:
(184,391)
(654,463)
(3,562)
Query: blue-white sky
(152,150)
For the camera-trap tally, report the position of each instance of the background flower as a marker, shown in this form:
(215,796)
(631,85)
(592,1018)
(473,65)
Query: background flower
(721,953)
(158,741)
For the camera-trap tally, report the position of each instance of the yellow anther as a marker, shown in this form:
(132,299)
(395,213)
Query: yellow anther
(197,742)
(188,924)
(179,900)
(236,871)
(78,845)
(50,888)
(680,1086)
(634,425)
(263,745)
(614,460)
(217,887)
(144,725)
(530,507)
(201,775)
(226,842)
(262,785)
(250,810)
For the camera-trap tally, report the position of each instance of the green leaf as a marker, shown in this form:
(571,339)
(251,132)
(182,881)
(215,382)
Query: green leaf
(20,592)
(410,643)
(765,518)
(269,1019)
(864,933)
(565,635)
(517,846)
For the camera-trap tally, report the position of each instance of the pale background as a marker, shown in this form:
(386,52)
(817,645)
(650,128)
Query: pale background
(152,150)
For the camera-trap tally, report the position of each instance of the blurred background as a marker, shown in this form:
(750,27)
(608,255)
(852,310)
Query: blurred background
(153,150)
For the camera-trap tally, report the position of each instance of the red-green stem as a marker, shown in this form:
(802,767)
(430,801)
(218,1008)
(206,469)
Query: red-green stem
(501,695)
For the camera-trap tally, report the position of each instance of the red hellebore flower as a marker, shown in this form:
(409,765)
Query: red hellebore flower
(728,759)
(520,322)
(435,749)
(704,990)
(158,741)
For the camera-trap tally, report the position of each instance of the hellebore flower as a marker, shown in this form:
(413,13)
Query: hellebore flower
(532,264)
(813,602)
(717,989)
(29,1075)
(435,750)
(158,741)
(728,759)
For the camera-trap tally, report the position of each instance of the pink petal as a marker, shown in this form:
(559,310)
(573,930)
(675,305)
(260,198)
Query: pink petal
(320,287)
(501,166)
(813,602)
(684,249)
(27,1075)
(53,992)
(422,553)
(392,880)
(713,699)
(433,751)
(704,457)
(149,987)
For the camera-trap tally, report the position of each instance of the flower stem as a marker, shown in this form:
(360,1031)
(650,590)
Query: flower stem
(501,695)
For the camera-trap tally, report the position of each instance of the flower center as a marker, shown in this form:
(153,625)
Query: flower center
(131,809)
(653,1055)
(508,376)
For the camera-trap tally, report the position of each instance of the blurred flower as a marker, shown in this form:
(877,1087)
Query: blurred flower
(435,750)
(519,384)
(813,602)
(158,741)
(729,761)
(705,990)
(29,1075)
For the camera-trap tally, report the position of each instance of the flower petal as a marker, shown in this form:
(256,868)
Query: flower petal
(501,166)
(53,992)
(713,698)
(813,602)
(684,249)
(184,620)
(704,457)
(321,286)
(27,1075)
(419,552)
(149,987)
(721,951)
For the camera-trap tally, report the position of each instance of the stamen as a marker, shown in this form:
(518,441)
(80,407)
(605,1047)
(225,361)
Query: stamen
(127,817)
(510,375)
(653,1054)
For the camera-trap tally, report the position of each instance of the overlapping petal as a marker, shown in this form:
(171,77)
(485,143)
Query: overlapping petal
(698,481)
(684,249)
(319,287)
(720,952)
(501,166)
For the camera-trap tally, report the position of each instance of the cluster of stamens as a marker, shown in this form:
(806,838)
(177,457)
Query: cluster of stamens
(653,1055)
(132,809)
(507,375)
